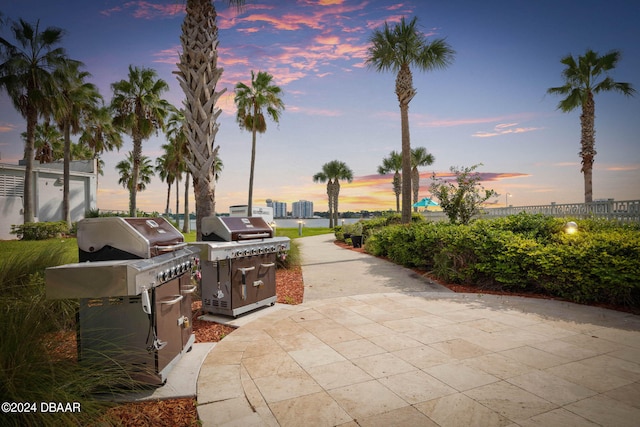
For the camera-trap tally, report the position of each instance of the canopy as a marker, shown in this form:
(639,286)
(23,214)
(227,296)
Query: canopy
(425,202)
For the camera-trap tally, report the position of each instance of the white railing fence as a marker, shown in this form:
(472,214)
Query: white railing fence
(623,211)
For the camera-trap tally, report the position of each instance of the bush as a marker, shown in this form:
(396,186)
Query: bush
(524,253)
(40,230)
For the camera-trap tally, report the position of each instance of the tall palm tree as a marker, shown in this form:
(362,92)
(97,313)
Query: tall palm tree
(72,98)
(198,74)
(251,100)
(99,133)
(165,171)
(398,49)
(125,170)
(180,153)
(584,77)
(419,157)
(139,111)
(26,73)
(393,163)
(332,173)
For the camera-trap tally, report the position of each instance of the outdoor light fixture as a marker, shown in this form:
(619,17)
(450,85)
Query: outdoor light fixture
(571,227)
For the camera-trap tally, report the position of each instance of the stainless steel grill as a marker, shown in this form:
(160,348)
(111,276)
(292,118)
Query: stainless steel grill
(135,287)
(238,264)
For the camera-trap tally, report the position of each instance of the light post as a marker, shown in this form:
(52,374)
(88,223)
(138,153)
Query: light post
(300,228)
(506,200)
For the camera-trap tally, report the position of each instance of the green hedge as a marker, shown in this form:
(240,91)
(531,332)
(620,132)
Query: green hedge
(40,230)
(524,253)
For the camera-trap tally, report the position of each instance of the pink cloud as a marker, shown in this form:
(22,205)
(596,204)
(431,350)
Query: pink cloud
(147,10)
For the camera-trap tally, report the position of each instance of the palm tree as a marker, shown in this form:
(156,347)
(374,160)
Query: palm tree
(397,49)
(48,143)
(251,100)
(139,111)
(99,133)
(125,169)
(584,77)
(393,163)
(26,73)
(180,152)
(198,74)
(332,173)
(165,172)
(419,157)
(73,97)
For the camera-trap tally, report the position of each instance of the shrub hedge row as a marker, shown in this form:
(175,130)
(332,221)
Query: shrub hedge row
(523,253)
(40,230)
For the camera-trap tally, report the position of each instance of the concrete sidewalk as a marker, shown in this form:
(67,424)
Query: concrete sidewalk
(402,356)
(330,271)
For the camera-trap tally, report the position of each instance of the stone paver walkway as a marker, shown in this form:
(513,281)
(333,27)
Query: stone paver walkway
(423,359)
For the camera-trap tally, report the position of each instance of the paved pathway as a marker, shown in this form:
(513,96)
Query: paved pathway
(330,271)
(420,358)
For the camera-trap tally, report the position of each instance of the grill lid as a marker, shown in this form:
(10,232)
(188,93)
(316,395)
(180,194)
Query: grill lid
(100,238)
(232,228)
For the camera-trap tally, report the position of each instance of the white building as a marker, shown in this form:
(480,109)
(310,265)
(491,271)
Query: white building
(47,192)
(279,208)
(302,209)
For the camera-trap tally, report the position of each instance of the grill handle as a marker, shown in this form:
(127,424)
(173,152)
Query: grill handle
(254,236)
(175,300)
(188,290)
(170,248)
(271,264)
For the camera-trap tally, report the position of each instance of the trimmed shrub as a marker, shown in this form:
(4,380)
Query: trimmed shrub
(40,230)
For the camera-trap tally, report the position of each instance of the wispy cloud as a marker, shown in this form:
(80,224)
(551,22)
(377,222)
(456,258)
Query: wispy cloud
(7,127)
(147,10)
(504,129)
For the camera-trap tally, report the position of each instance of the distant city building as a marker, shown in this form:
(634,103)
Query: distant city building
(302,209)
(279,208)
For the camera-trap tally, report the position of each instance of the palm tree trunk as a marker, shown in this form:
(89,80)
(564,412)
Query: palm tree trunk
(405,93)
(198,75)
(66,176)
(186,226)
(32,120)
(330,198)
(587,142)
(336,195)
(135,174)
(253,159)
(397,189)
(166,209)
(177,198)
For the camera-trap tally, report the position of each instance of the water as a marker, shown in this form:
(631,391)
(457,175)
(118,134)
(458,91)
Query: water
(293,223)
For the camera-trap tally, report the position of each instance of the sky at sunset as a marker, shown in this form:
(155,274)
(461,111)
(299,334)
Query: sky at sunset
(490,106)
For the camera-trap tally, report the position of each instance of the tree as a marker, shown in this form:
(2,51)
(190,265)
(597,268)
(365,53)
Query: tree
(198,74)
(139,111)
(398,49)
(99,133)
(332,173)
(250,101)
(393,163)
(165,171)
(419,157)
(461,201)
(72,99)
(125,169)
(584,77)
(48,143)
(26,73)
